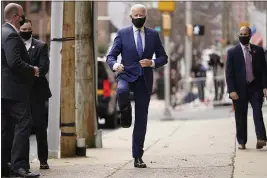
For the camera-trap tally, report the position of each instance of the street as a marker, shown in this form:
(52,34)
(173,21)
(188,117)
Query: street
(199,143)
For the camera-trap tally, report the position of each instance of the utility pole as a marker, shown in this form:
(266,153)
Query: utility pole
(230,18)
(224,28)
(67,110)
(224,20)
(55,78)
(98,132)
(188,41)
(167,8)
(85,75)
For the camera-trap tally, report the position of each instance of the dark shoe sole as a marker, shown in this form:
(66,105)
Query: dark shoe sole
(260,144)
(140,166)
(241,147)
(44,167)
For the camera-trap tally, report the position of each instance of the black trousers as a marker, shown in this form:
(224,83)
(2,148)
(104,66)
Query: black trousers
(241,110)
(40,124)
(219,84)
(16,126)
(201,90)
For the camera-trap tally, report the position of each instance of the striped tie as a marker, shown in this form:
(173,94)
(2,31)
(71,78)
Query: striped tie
(249,68)
(139,48)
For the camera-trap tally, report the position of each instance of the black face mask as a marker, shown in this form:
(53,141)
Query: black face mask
(139,22)
(22,21)
(244,40)
(26,35)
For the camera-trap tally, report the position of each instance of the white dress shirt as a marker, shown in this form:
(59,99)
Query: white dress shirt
(28,43)
(244,50)
(142,33)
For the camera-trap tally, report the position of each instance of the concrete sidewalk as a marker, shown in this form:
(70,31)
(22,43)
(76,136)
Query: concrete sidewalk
(175,149)
(251,163)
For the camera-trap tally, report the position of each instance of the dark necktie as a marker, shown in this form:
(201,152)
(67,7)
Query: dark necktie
(139,44)
(249,68)
(139,48)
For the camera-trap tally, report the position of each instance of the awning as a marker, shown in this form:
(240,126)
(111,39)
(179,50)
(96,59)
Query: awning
(257,39)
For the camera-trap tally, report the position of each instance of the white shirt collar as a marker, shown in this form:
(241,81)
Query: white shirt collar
(29,41)
(136,29)
(243,47)
(13,26)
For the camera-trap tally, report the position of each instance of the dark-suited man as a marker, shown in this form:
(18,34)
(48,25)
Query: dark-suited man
(17,77)
(38,53)
(136,44)
(246,78)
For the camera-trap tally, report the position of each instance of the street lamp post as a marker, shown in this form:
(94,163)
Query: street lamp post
(188,40)
(167,8)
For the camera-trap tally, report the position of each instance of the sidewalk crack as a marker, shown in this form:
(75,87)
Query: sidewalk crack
(128,162)
(155,142)
(233,161)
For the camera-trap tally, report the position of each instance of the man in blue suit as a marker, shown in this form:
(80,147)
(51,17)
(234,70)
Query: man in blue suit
(246,78)
(136,44)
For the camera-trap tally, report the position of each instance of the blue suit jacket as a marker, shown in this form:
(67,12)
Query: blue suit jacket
(236,70)
(124,44)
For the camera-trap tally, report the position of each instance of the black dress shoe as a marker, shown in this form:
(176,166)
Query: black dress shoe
(241,146)
(260,144)
(126,117)
(44,165)
(139,163)
(25,173)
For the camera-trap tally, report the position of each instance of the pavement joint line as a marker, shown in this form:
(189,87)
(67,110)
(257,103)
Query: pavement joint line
(233,162)
(183,167)
(128,162)
(155,142)
(119,168)
(178,127)
(198,155)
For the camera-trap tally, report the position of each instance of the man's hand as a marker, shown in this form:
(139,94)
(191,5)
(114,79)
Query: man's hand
(234,95)
(36,71)
(120,68)
(146,62)
(265,92)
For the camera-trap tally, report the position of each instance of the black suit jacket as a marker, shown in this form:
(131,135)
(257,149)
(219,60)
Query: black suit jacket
(38,53)
(17,74)
(236,70)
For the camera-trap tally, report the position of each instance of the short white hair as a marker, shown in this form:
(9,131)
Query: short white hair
(138,6)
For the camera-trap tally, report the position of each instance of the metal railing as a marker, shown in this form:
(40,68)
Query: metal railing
(201,90)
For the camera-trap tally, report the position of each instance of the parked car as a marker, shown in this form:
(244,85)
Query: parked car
(107,107)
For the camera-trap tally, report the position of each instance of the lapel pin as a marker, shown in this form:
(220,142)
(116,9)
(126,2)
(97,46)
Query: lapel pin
(33,46)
